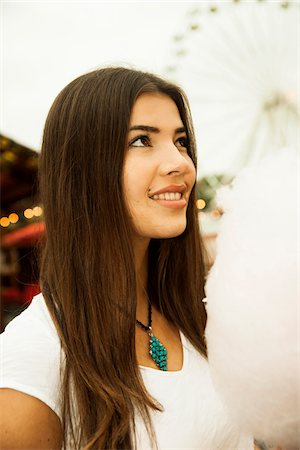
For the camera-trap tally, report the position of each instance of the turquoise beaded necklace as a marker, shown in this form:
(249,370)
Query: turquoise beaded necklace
(156,349)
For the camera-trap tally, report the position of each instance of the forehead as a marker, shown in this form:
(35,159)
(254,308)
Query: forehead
(155,109)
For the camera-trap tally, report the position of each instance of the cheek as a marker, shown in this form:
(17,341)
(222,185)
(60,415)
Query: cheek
(137,176)
(133,184)
(191,173)
(194,173)
(129,191)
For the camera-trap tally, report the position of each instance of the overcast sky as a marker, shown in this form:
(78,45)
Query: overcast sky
(244,56)
(47,44)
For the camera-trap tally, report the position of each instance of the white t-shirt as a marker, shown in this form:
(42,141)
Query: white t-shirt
(193,416)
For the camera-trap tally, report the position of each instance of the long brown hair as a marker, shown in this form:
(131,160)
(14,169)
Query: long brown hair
(87,266)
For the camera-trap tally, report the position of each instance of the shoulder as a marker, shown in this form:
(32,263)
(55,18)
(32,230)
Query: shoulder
(31,354)
(35,318)
(26,422)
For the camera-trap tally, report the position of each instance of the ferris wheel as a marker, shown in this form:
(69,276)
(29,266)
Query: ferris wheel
(239,63)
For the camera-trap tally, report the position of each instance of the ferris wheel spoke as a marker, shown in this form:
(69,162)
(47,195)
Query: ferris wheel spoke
(240,71)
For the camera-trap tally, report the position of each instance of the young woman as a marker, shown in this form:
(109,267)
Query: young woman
(112,355)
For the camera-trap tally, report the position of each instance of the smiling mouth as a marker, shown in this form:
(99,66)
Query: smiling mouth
(173,196)
(173,200)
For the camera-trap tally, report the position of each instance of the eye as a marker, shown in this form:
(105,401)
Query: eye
(140,141)
(182,142)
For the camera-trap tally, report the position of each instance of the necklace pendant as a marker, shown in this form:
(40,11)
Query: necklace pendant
(158,352)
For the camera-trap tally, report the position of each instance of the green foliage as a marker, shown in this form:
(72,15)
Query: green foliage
(207,187)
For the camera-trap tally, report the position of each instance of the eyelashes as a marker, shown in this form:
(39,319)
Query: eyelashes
(140,141)
(145,141)
(184,142)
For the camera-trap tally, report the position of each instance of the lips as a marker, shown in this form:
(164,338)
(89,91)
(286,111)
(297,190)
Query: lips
(170,196)
(170,189)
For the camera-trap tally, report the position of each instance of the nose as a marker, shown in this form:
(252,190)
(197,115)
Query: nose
(175,162)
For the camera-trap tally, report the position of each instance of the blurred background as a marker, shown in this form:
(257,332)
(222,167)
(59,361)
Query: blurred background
(238,61)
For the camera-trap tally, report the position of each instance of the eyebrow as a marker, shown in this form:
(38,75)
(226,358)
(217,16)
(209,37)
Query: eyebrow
(154,129)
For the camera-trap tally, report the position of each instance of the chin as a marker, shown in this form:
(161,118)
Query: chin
(170,232)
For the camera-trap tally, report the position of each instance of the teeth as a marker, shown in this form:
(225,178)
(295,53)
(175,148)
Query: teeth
(168,196)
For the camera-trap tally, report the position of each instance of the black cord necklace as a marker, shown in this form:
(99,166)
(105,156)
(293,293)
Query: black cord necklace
(156,350)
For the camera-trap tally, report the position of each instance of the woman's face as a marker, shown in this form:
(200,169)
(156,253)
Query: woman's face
(158,172)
